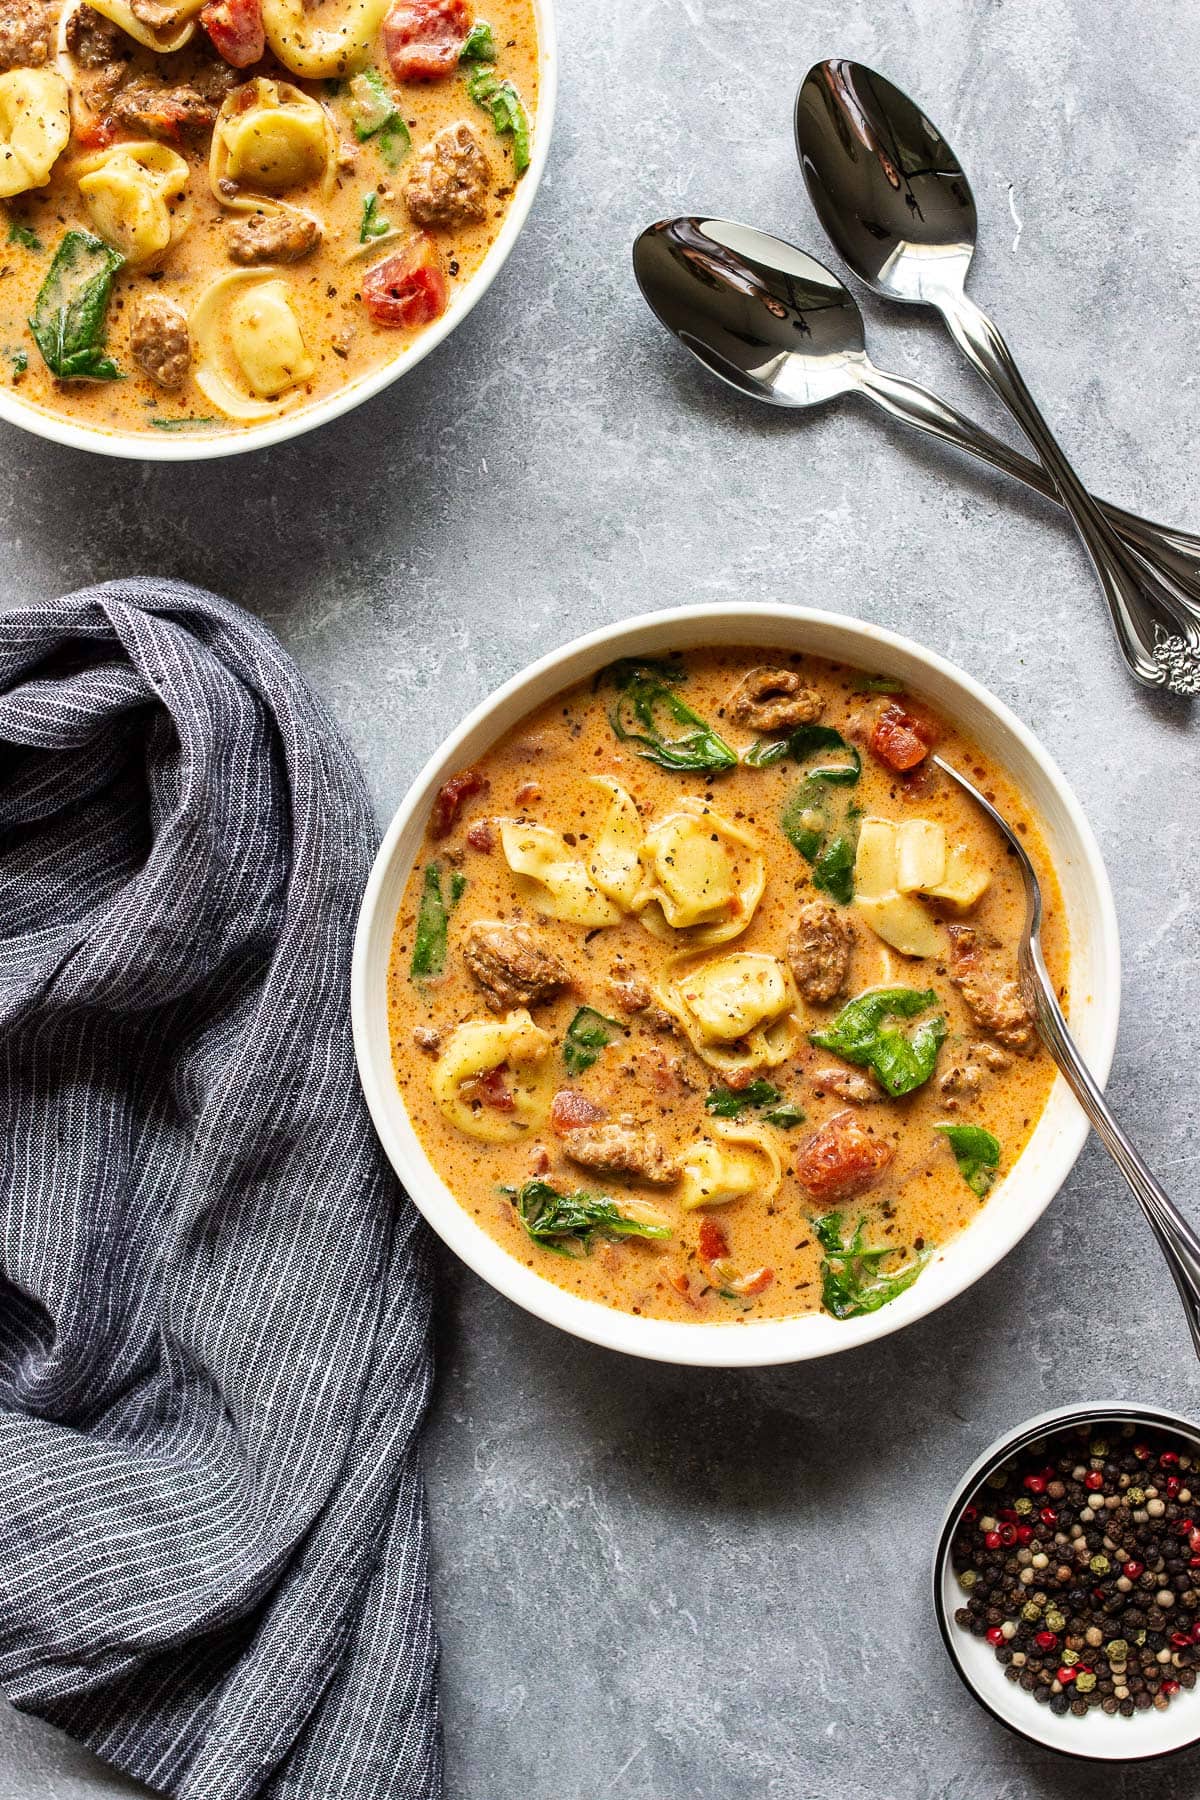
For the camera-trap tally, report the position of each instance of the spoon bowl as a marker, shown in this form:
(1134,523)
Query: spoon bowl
(765,317)
(886,186)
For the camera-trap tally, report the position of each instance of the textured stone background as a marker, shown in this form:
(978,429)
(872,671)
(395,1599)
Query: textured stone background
(660,1584)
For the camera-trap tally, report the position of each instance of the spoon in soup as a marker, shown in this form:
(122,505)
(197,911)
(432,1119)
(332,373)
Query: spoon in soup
(1177,1240)
(777,325)
(893,198)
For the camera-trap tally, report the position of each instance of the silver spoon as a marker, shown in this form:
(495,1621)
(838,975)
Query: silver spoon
(893,198)
(1176,1238)
(776,324)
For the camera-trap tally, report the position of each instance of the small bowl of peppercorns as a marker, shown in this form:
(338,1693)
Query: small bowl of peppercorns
(1067,1582)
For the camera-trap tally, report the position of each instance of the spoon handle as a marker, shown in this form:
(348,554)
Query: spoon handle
(1176,1238)
(1159,638)
(1178,552)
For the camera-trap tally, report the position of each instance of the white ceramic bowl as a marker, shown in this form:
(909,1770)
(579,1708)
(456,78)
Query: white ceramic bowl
(1100,1737)
(166,447)
(1095,981)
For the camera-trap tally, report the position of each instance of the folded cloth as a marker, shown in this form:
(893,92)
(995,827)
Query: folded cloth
(214,1300)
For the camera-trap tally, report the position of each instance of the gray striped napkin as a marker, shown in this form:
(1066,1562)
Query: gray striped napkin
(214,1301)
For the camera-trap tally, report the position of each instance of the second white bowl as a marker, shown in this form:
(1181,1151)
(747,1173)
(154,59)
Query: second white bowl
(1094,981)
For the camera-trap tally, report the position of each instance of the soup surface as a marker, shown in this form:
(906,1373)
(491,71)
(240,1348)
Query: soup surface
(703,992)
(216,213)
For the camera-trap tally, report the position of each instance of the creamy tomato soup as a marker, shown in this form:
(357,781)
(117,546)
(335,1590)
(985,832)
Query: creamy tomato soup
(703,992)
(211,214)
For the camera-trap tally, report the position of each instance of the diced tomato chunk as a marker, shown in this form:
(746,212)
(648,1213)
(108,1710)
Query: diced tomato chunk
(900,738)
(481,836)
(493,1090)
(447,802)
(570,1109)
(423,39)
(409,288)
(94,134)
(236,30)
(713,1242)
(902,735)
(840,1159)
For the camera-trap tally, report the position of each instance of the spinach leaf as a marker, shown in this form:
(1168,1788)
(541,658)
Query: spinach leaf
(805,818)
(370,105)
(68,315)
(785,1117)
(804,745)
(731,1103)
(649,701)
(977,1154)
(569,1224)
(480,45)
(851,1284)
(833,870)
(373,222)
(394,141)
(501,99)
(179,424)
(429,940)
(24,235)
(375,113)
(807,824)
(862,1034)
(587,1034)
(620,673)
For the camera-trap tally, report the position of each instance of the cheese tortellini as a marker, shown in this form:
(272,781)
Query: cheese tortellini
(615,864)
(311,48)
(553,878)
(735,1162)
(251,354)
(479,1048)
(269,137)
(736,1010)
(129,191)
(705,876)
(895,863)
(35,123)
(175,30)
(693,878)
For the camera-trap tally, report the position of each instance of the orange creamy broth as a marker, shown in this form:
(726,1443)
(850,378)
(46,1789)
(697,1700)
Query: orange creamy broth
(324,288)
(538,772)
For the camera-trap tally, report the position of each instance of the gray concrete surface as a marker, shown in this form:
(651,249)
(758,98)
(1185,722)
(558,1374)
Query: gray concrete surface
(658,1584)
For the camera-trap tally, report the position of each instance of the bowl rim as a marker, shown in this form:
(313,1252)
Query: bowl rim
(715,1345)
(1059,1418)
(140,447)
